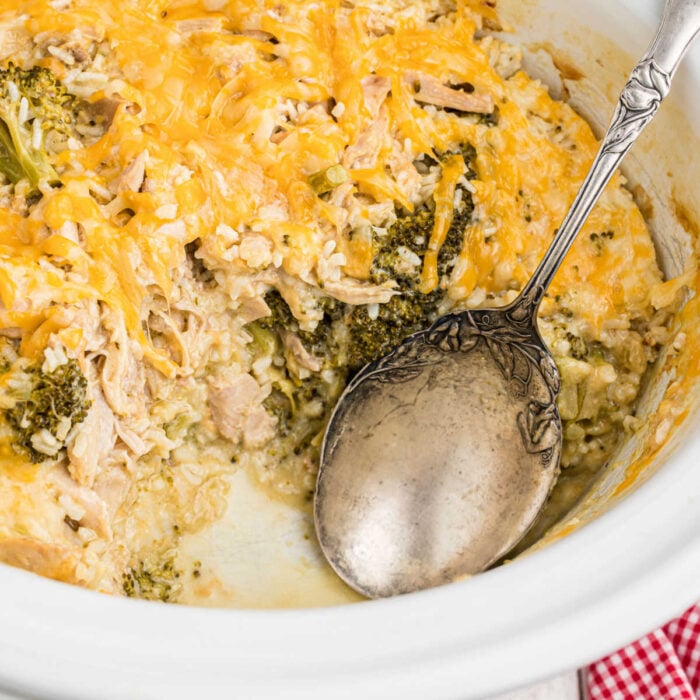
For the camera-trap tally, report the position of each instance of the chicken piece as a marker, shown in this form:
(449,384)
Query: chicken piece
(431,91)
(405,173)
(112,486)
(540,64)
(14,38)
(252,309)
(92,441)
(293,346)
(132,177)
(350,291)
(117,368)
(87,318)
(170,324)
(131,439)
(365,151)
(202,24)
(122,377)
(232,57)
(50,560)
(375,89)
(238,412)
(258,429)
(92,509)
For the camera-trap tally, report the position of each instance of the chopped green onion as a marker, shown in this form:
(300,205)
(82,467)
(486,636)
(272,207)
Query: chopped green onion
(328,179)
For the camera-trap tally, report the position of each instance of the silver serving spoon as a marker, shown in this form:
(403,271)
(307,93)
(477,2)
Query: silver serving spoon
(440,455)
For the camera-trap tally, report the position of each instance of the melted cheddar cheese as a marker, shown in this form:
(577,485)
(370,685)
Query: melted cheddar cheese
(204,102)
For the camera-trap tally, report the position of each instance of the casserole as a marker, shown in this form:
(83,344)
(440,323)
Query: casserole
(630,560)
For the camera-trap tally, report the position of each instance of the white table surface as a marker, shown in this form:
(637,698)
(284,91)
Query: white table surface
(564,687)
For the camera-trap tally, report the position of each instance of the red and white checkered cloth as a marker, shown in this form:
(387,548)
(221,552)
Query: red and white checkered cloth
(664,665)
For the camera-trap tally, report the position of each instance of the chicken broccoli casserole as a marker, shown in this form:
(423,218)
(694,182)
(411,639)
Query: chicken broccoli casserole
(213,213)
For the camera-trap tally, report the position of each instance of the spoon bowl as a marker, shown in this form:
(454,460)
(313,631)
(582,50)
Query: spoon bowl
(445,407)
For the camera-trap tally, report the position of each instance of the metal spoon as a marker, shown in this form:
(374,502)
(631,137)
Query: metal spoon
(440,455)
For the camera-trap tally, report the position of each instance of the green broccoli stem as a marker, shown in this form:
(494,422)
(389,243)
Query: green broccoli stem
(48,107)
(18,161)
(9,160)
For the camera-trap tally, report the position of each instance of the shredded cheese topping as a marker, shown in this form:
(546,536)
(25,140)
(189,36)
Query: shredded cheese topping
(204,90)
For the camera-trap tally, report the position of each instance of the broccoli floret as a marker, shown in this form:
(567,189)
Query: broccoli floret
(302,414)
(152,580)
(371,338)
(301,404)
(348,337)
(281,316)
(54,402)
(321,341)
(405,241)
(32,103)
(399,257)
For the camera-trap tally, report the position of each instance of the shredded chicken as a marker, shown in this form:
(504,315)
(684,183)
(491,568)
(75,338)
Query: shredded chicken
(365,151)
(122,375)
(299,354)
(351,291)
(50,560)
(375,89)
(111,486)
(14,40)
(237,411)
(252,309)
(431,91)
(201,24)
(131,439)
(92,441)
(92,509)
(132,176)
(87,318)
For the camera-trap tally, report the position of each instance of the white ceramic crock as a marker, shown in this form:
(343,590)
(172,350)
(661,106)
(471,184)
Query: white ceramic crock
(632,567)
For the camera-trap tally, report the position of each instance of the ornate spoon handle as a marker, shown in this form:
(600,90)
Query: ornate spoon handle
(647,86)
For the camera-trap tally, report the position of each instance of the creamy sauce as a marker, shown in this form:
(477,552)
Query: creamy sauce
(262,554)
